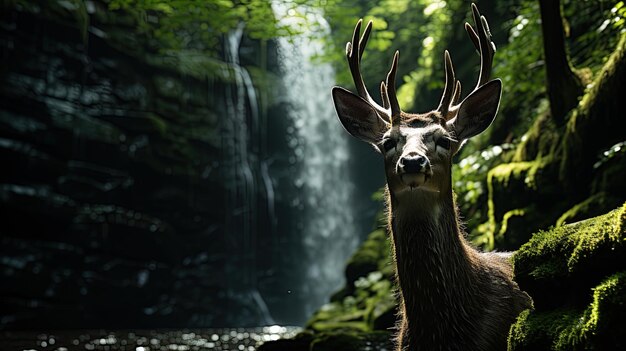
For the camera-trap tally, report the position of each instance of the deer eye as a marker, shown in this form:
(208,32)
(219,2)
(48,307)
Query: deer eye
(389,144)
(443,142)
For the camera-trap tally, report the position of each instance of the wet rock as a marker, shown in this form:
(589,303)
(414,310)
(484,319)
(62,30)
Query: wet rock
(112,190)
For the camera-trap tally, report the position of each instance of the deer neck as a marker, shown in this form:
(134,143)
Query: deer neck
(433,264)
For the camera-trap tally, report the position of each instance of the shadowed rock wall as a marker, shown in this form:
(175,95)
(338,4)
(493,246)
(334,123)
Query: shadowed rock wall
(112,185)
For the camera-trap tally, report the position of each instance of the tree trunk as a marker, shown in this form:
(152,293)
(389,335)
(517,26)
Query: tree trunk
(564,87)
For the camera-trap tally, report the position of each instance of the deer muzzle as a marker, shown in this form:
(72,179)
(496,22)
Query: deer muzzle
(414,169)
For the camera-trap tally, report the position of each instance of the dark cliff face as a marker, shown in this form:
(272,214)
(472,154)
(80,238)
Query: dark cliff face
(113,184)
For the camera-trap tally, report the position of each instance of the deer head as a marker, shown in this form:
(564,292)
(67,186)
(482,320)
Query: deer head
(418,148)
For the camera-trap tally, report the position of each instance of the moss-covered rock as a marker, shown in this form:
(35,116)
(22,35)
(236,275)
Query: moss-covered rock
(595,205)
(576,275)
(541,139)
(371,306)
(596,123)
(372,255)
(610,171)
(361,315)
(561,261)
(598,327)
(523,198)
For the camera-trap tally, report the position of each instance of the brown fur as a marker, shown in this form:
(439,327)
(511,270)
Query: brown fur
(452,297)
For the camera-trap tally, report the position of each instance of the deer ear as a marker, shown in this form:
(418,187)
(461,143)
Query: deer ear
(478,110)
(357,116)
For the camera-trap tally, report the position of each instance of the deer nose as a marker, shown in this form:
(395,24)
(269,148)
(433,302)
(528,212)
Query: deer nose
(414,163)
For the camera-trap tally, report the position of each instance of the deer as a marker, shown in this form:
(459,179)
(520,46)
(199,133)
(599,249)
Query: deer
(451,295)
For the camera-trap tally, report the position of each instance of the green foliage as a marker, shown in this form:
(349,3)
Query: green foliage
(469,177)
(367,303)
(519,64)
(591,48)
(417,28)
(198,25)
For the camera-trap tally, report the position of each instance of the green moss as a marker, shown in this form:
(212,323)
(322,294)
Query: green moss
(598,113)
(371,256)
(597,326)
(566,250)
(517,226)
(519,179)
(363,262)
(537,331)
(541,139)
(504,172)
(592,206)
(338,315)
(604,232)
(367,302)
(506,217)
(501,174)
(326,326)
(607,313)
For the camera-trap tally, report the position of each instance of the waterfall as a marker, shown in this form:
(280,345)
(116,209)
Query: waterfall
(243,172)
(328,229)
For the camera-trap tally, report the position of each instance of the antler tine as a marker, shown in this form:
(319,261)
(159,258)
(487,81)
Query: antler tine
(354,60)
(390,85)
(383,95)
(449,89)
(457,93)
(354,52)
(481,37)
(364,38)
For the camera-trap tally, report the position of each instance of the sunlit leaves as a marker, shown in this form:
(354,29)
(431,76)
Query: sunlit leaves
(596,28)
(616,17)
(178,24)
(434,6)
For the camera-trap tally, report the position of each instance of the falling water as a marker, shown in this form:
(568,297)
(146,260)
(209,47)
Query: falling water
(242,175)
(328,233)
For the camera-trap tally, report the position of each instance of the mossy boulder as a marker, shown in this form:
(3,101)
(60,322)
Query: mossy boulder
(596,123)
(372,255)
(596,327)
(370,307)
(362,314)
(573,256)
(610,171)
(595,205)
(576,275)
(523,198)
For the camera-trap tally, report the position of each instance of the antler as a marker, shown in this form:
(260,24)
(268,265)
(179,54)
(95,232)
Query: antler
(448,93)
(390,111)
(484,45)
(481,38)
(390,89)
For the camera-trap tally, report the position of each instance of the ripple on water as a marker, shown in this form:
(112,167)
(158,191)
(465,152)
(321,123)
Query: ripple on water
(239,339)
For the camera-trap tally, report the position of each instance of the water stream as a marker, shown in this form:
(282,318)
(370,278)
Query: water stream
(243,175)
(328,229)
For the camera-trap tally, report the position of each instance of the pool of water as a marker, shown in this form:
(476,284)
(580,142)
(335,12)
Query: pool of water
(235,339)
